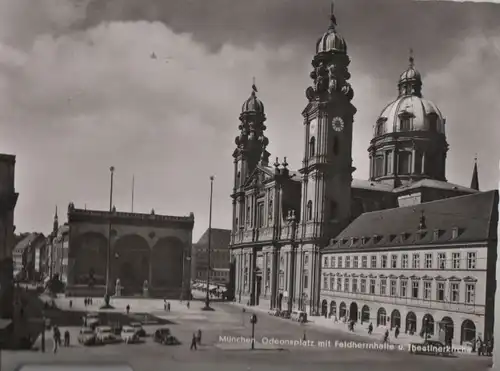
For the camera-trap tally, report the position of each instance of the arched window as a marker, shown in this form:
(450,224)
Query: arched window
(404,163)
(379,129)
(309,210)
(378,166)
(405,124)
(335,145)
(312,147)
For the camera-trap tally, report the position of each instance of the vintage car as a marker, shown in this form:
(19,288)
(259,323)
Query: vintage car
(138,329)
(430,347)
(299,316)
(285,314)
(105,335)
(165,337)
(274,312)
(87,337)
(91,320)
(129,335)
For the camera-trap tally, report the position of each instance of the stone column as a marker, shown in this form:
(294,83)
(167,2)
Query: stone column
(274,277)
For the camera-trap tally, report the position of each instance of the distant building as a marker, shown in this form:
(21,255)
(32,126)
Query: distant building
(8,200)
(219,256)
(147,254)
(26,257)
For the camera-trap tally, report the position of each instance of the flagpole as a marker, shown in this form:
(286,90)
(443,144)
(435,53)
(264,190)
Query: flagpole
(133,188)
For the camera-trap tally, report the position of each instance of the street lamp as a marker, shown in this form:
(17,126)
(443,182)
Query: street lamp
(108,252)
(207,298)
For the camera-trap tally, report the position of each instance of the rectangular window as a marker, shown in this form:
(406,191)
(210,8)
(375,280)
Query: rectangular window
(403,288)
(332,262)
(325,262)
(379,166)
(394,261)
(261,221)
(383,286)
(384,261)
(346,285)
(428,261)
(306,281)
(455,258)
(404,261)
(415,263)
(440,291)
(442,260)
(306,259)
(470,293)
(372,286)
(393,287)
(364,262)
(427,290)
(325,283)
(471,260)
(363,285)
(339,262)
(281,281)
(348,262)
(455,292)
(355,262)
(354,285)
(339,284)
(332,283)
(389,161)
(414,289)
(373,261)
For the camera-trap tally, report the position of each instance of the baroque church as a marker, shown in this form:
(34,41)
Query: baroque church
(284,218)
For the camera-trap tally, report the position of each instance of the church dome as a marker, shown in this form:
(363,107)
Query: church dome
(410,113)
(253,104)
(331,41)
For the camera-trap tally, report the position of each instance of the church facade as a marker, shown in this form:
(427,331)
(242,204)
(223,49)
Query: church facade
(285,220)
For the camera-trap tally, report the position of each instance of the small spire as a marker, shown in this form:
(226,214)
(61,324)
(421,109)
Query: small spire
(277,162)
(411,59)
(254,87)
(55,215)
(474,184)
(332,15)
(284,164)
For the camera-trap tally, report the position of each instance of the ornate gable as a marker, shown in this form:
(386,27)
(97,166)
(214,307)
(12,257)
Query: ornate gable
(259,176)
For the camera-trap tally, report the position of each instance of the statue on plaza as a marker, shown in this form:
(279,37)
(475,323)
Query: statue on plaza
(145,288)
(118,288)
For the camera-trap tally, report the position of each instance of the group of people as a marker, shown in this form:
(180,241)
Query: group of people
(56,337)
(87,301)
(483,348)
(196,340)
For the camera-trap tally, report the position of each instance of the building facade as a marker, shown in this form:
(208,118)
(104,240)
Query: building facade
(219,257)
(284,220)
(8,200)
(141,253)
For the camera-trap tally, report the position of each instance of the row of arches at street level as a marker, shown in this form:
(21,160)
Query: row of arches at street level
(132,261)
(410,324)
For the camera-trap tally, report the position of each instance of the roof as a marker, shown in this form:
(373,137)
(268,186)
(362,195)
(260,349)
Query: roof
(437,184)
(469,218)
(371,185)
(26,241)
(219,237)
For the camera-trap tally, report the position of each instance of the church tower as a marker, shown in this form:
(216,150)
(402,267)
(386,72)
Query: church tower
(55,225)
(250,151)
(328,125)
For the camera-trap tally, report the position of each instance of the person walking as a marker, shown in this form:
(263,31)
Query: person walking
(396,332)
(187,305)
(370,328)
(198,337)
(168,307)
(128,309)
(386,336)
(56,335)
(193,342)
(66,338)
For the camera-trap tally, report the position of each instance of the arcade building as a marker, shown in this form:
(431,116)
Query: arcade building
(419,234)
(131,253)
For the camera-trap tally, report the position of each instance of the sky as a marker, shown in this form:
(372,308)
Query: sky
(79,92)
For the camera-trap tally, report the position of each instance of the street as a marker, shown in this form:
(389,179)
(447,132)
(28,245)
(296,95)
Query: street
(224,345)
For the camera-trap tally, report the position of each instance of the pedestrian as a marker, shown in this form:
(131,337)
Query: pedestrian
(386,336)
(91,301)
(56,338)
(198,338)
(370,328)
(66,338)
(187,305)
(128,309)
(168,306)
(85,301)
(396,332)
(71,303)
(193,342)
(164,306)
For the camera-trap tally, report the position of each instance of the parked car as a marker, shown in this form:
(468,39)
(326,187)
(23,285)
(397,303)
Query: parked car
(274,312)
(87,337)
(129,335)
(431,347)
(138,329)
(285,314)
(92,320)
(165,337)
(105,335)
(299,316)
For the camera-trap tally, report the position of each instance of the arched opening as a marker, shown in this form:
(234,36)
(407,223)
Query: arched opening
(353,312)
(411,323)
(312,147)
(131,263)
(381,317)
(365,314)
(427,326)
(448,327)
(333,308)
(169,263)
(342,310)
(324,308)
(468,333)
(395,319)
(309,210)
(379,129)
(90,255)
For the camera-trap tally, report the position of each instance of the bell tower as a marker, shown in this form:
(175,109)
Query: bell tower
(328,133)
